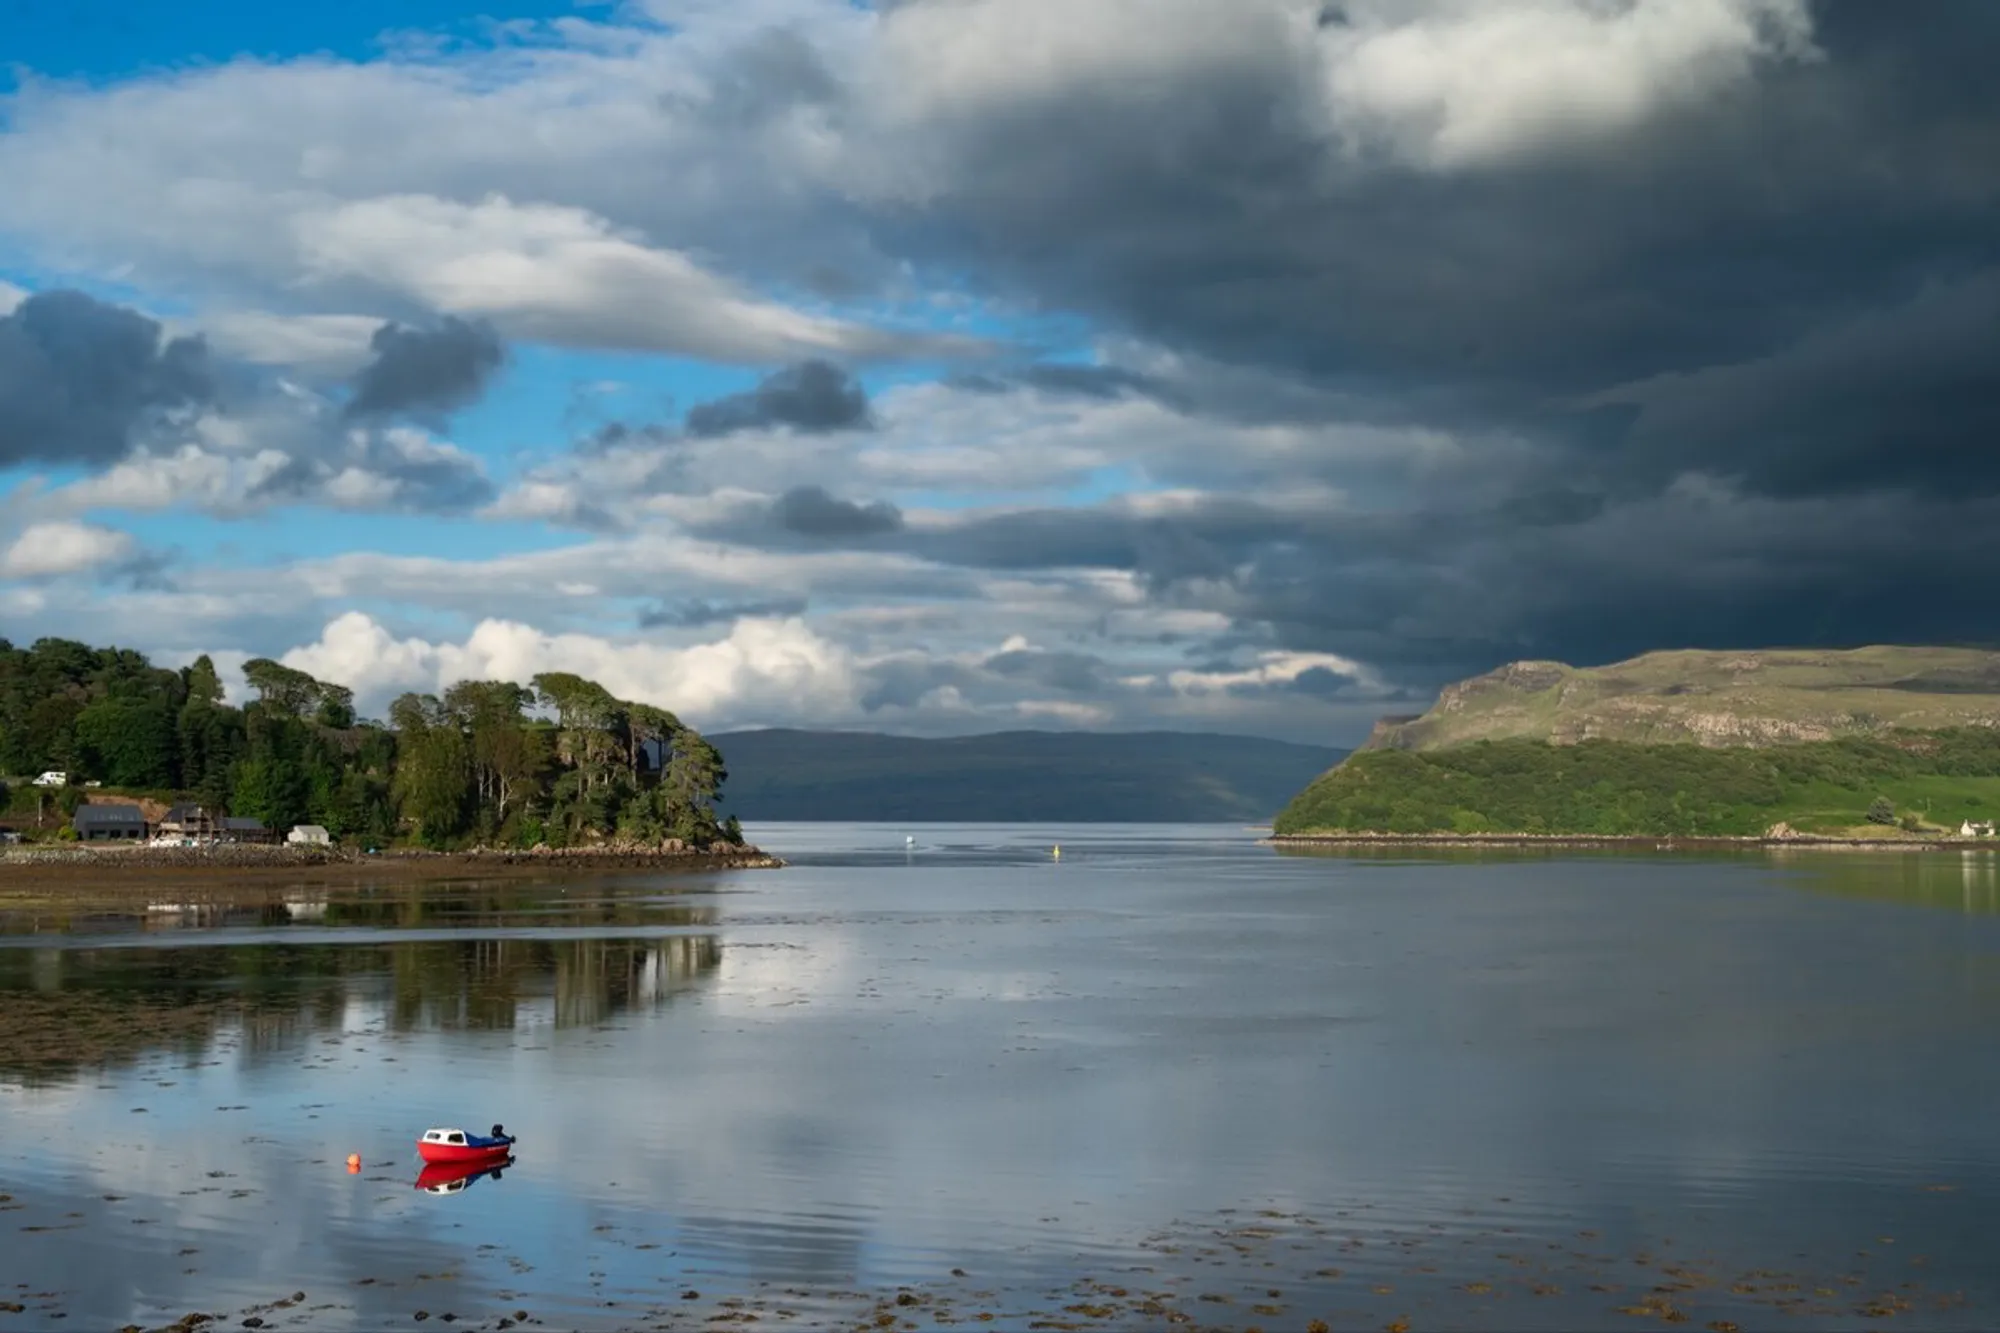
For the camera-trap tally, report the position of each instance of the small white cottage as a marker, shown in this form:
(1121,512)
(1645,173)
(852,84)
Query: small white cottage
(311,835)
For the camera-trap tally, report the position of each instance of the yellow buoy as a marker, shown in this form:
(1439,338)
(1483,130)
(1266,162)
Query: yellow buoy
(1057,850)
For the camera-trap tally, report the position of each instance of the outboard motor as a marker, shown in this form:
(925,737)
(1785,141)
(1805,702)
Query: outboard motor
(499,1133)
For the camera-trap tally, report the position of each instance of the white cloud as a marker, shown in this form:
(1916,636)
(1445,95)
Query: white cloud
(1466,83)
(1271,668)
(54,549)
(331,345)
(778,666)
(190,476)
(10,296)
(559,274)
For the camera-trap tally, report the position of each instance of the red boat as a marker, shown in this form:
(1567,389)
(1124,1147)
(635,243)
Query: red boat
(455,1145)
(454,1177)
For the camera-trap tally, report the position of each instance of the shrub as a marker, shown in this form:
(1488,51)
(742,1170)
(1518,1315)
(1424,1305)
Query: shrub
(1881,811)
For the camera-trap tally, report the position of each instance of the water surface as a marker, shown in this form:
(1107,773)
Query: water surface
(1170,1071)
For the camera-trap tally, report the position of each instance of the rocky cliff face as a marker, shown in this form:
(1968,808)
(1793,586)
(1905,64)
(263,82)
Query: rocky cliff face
(1774,697)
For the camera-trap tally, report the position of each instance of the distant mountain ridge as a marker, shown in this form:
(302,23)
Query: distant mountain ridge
(1718,699)
(1015,776)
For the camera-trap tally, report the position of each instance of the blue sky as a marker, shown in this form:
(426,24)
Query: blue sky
(974,364)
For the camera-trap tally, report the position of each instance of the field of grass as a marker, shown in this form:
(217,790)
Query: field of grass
(1935,780)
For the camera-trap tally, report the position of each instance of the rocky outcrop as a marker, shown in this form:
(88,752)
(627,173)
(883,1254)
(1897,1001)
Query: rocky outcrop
(1720,699)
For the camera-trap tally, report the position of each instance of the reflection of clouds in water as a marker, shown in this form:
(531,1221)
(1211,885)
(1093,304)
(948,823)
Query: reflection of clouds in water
(1618,1044)
(303,1227)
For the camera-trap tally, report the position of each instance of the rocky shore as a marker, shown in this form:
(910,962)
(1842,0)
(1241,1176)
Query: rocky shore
(105,869)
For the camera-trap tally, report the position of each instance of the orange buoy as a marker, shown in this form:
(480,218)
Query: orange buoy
(353,1163)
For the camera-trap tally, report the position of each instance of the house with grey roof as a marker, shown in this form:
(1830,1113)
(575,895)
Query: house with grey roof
(109,823)
(243,829)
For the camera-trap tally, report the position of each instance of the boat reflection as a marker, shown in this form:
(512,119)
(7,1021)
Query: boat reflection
(457,1177)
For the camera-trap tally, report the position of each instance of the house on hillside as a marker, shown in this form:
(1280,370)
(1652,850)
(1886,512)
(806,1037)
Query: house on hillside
(309,835)
(109,823)
(243,829)
(1969,829)
(187,820)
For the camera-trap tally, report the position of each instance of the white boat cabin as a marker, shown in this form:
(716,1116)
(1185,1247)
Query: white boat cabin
(451,1136)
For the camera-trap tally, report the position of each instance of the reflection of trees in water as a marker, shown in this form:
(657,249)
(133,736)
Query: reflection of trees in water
(469,904)
(72,1009)
(1957,881)
(488,984)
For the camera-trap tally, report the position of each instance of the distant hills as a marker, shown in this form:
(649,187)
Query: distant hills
(1014,776)
(1767,697)
(1872,742)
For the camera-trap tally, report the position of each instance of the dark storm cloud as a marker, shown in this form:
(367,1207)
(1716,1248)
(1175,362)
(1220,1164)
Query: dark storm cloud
(78,378)
(810,511)
(428,370)
(812,397)
(1070,673)
(697,612)
(1082,381)
(1743,356)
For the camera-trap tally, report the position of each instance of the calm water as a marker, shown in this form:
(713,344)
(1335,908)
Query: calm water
(1171,1071)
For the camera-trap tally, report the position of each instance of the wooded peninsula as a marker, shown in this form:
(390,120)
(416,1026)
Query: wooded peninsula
(557,763)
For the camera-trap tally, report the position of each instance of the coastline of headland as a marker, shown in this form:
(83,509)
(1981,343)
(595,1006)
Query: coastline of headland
(1650,842)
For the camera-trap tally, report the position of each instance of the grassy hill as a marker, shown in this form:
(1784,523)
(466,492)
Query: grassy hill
(1932,781)
(1688,743)
(1768,697)
(1016,776)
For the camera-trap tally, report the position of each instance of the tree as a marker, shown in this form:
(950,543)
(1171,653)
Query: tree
(283,688)
(433,783)
(202,683)
(128,742)
(1881,811)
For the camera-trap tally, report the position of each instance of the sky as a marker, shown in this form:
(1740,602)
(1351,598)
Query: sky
(946,366)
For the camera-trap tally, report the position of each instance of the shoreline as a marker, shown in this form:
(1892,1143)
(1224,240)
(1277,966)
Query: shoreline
(1631,842)
(110,871)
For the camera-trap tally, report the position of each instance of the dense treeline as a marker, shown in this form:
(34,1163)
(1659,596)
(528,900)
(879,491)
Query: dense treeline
(1617,788)
(558,761)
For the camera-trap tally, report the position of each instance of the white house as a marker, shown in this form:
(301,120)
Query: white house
(1971,830)
(309,835)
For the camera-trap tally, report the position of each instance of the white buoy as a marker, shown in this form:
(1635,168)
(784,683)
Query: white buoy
(909,839)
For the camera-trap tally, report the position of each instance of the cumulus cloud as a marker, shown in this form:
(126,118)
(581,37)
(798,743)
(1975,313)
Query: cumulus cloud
(426,369)
(64,547)
(812,396)
(563,275)
(811,512)
(761,664)
(332,346)
(79,377)
(1463,85)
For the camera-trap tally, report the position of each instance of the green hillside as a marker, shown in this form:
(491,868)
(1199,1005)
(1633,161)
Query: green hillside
(1767,697)
(1017,776)
(1932,782)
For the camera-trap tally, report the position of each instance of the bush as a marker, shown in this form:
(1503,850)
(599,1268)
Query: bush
(1881,811)
(1911,824)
